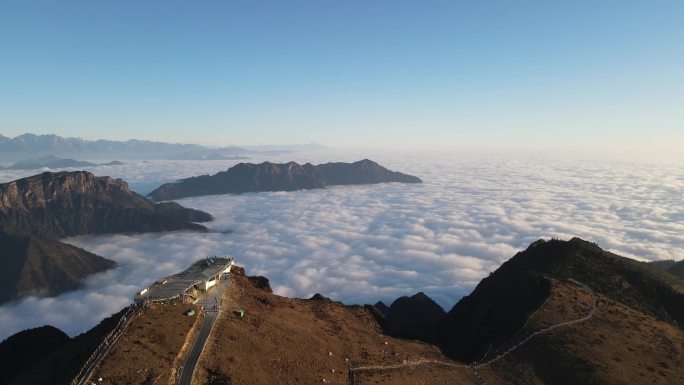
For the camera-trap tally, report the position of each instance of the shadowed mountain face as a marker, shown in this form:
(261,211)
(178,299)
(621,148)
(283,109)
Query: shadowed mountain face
(500,304)
(413,317)
(36,211)
(248,177)
(46,355)
(20,350)
(34,265)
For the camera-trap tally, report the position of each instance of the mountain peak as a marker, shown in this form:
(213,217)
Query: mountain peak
(267,176)
(72,203)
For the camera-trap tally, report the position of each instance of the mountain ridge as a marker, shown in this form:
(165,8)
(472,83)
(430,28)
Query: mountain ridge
(584,332)
(291,176)
(31,145)
(35,212)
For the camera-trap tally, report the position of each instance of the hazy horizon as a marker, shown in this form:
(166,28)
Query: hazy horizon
(385,74)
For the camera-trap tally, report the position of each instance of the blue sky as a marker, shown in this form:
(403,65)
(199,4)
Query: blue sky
(350,73)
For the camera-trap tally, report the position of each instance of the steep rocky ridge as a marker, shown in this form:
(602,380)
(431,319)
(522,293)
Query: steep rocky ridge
(671,266)
(71,203)
(413,317)
(248,177)
(58,361)
(36,211)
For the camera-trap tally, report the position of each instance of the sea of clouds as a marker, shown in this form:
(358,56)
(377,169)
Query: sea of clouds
(361,244)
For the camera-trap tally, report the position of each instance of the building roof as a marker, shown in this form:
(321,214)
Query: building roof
(175,285)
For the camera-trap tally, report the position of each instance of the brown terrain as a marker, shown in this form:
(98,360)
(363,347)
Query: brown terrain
(152,347)
(618,345)
(295,341)
(618,325)
(298,341)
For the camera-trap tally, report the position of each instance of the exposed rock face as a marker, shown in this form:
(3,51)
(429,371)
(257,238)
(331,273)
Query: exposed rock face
(260,283)
(70,203)
(248,177)
(36,211)
(413,317)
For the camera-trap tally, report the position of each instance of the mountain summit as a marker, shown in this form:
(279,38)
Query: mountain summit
(267,176)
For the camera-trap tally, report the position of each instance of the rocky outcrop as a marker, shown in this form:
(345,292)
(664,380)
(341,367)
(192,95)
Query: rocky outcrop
(677,269)
(248,177)
(36,211)
(46,356)
(260,283)
(63,204)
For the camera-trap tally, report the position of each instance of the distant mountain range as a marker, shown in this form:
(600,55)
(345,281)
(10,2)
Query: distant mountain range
(30,146)
(53,162)
(36,211)
(249,177)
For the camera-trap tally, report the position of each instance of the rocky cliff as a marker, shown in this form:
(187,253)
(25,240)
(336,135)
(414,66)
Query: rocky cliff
(248,177)
(62,204)
(36,211)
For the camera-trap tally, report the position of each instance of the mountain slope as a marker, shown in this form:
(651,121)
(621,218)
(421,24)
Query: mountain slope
(500,305)
(71,203)
(413,317)
(677,269)
(34,265)
(36,211)
(248,177)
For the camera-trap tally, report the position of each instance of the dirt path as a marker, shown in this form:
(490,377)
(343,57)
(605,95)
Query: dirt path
(473,368)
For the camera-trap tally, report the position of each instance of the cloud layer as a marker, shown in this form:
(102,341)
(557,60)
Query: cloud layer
(360,244)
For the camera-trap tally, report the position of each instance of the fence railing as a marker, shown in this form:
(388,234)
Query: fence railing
(101,351)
